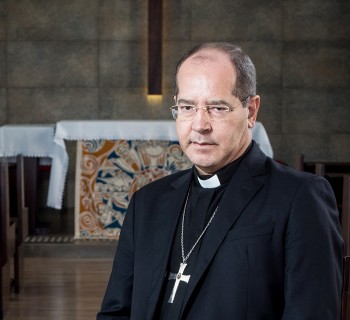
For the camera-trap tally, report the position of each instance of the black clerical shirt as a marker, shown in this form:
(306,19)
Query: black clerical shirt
(202,203)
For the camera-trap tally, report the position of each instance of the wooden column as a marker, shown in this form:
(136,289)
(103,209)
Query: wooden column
(155,25)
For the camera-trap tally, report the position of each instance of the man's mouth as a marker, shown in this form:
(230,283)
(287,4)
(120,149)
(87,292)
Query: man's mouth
(202,143)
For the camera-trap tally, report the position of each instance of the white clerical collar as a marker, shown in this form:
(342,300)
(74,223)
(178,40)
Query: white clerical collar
(212,182)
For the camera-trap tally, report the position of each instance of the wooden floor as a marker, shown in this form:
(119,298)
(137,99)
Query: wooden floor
(61,288)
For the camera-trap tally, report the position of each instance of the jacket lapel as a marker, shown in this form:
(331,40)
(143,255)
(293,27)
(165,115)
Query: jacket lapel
(240,191)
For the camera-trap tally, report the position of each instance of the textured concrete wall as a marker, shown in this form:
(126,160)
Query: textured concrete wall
(87,59)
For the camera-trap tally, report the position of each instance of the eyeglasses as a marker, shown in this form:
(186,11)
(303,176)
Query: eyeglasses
(188,112)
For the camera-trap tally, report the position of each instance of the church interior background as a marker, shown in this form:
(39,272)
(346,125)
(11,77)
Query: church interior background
(92,60)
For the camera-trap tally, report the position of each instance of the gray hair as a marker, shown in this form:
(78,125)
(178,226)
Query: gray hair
(245,70)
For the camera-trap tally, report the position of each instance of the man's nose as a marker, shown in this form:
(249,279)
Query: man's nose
(201,120)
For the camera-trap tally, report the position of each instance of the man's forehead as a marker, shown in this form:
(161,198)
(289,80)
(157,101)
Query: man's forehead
(208,54)
(206,58)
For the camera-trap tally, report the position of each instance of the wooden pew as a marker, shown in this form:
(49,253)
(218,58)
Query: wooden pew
(19,213)
(31,165)
(7,242)
(338,175)
(334,172)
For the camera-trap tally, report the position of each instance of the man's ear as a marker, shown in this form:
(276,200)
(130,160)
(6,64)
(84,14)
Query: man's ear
(253,108)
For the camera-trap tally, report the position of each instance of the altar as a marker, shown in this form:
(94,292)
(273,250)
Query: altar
(114,159)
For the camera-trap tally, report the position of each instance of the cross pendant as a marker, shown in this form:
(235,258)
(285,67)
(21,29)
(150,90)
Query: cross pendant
(179,276)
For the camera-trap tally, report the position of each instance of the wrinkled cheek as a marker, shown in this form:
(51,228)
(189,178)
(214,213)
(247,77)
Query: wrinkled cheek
(184,139)
(184,145)
(183,131)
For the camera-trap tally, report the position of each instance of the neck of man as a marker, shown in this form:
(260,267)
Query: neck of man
(207,172)
(219,176)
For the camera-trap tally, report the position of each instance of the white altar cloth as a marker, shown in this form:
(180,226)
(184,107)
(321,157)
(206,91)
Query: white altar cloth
(94,130)
(28,140)
(261,138)
(115,130)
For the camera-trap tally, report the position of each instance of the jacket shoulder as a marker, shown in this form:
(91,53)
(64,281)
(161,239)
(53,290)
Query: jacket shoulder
(165,182)
(291,176)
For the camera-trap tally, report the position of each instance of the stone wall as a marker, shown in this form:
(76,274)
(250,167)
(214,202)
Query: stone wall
(87,59)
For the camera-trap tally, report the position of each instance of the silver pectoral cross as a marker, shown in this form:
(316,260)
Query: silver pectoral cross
(178,277)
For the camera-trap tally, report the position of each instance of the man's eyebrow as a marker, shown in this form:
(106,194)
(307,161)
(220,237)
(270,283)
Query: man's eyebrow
(210,102)
(185,101)
(219,102)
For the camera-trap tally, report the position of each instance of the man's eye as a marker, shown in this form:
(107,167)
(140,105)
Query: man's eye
(186,108)
(218,109)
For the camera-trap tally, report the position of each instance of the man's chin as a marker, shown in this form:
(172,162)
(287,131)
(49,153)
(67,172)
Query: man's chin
(204,165)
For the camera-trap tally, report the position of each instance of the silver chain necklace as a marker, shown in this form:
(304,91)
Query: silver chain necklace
(179,276)
(185,258)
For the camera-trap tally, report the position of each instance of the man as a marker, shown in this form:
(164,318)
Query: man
(239,236)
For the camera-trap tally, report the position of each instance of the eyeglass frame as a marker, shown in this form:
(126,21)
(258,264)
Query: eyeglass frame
(206,108)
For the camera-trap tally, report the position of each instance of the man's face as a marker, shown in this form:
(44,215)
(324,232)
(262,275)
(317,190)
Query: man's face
(211,144)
